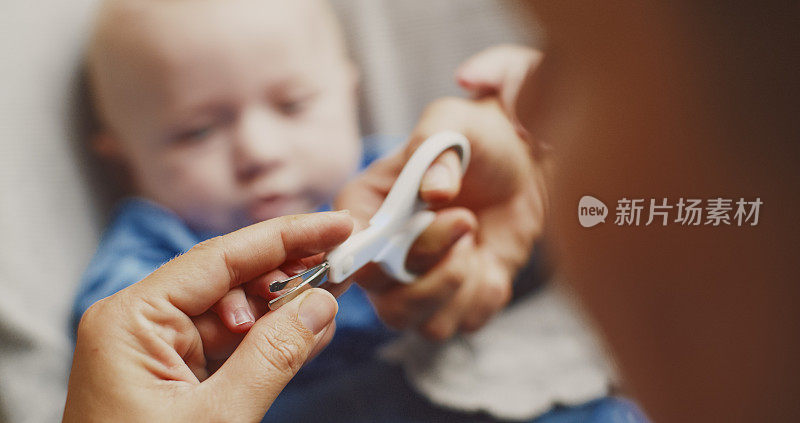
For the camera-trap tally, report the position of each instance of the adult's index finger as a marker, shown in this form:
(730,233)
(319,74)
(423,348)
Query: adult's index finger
(196,280)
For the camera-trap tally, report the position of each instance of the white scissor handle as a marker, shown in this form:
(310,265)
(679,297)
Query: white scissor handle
(402,217)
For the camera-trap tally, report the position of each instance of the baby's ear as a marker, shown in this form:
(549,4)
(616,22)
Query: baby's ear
(106,145)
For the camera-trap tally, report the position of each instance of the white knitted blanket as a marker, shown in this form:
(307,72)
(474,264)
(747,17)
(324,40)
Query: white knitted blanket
(534,355)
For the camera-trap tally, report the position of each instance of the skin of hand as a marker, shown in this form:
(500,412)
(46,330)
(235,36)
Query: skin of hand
(469,255)
(499,71)
(139,355)
(220,338)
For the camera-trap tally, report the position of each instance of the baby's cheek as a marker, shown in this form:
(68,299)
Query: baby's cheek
(204,194)
(345,159)
(338,162)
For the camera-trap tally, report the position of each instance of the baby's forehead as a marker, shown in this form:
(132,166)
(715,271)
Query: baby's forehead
(142,41)
(168,27)
(147,54)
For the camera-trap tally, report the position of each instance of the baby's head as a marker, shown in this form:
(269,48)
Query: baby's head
(227,112)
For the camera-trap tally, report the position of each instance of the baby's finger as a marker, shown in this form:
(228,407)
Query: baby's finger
(257,305)
(259,286)
(442,181)
(435,242)
(234,311)
(218,342)
(295,267)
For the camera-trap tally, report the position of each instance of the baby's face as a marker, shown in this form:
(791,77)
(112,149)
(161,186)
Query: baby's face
(231,112)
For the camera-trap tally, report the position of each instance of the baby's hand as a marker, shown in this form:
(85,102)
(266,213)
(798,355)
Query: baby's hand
(470,254)
(243,305)
(222,328)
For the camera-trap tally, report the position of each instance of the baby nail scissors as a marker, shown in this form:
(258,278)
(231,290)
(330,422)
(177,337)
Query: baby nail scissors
(402,217)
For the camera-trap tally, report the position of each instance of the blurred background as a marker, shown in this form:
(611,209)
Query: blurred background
(50,217)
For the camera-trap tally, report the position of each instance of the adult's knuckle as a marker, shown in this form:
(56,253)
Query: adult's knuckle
(213,253)
(498,290)
(436,331)
(419,300)
(91,316)
(95,321)
(281,351)
(473,323)
(453,278)
(392,318)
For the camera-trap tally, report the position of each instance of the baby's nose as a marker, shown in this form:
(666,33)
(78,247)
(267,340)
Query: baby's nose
(260,146)
(253,169)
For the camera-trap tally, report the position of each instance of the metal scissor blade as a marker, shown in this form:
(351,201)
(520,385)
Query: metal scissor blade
(311,278)
(276,286)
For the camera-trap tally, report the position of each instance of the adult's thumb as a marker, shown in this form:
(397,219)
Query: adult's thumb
(269,357)
(442,181)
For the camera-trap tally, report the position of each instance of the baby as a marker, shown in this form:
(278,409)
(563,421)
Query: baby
(222,114)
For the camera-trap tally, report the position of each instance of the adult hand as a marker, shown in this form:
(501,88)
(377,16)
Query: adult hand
(139,356)
(484,229)
(499,71)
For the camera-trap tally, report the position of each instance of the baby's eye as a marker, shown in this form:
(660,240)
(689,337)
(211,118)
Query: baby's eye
(194,135)
(292,108)
(296,106)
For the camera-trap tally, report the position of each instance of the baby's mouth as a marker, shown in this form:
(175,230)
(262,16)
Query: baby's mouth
(273,205)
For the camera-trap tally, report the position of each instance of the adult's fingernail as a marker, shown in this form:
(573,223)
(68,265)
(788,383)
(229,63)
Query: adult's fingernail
(317,311)
(242,316)
(438,177)
(469,73)
(458,233)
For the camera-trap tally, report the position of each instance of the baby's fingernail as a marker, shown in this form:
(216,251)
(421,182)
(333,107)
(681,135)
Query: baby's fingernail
(438,177)
(294,268)
(317,311)
(242,316)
